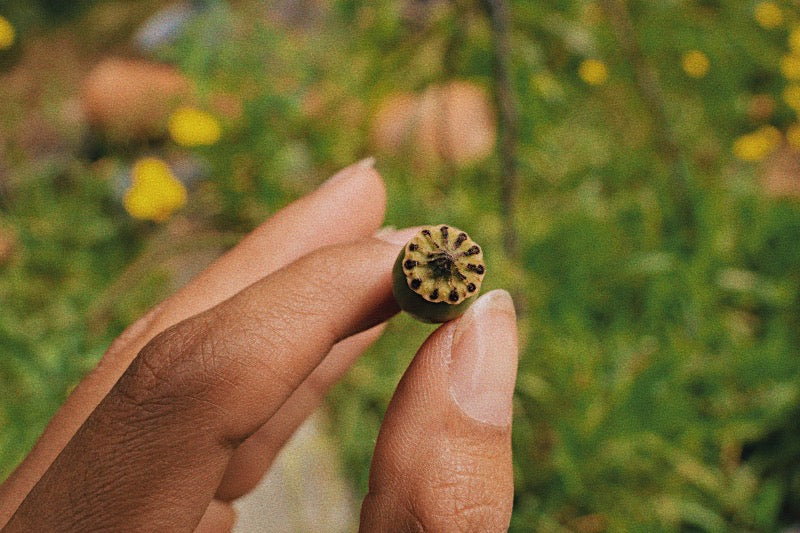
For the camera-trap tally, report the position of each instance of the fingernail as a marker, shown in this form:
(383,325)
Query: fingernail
(395,236)
(483,364)
(367,162)
(347,172)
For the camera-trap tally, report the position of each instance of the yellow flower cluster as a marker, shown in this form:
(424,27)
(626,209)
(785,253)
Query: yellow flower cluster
(757,145)
(192,127)
(790,66)
(790,63)
(7,33)
(695,63)
(791,95)
(593,71)
(155,193)
(794,40)
(768,15)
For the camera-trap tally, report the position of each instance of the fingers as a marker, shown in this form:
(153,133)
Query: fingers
(203,386)
(218,518)
(254,456)
(348,206)
(443,457)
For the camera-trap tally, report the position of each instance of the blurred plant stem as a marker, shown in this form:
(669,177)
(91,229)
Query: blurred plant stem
(652,95)
(508,135)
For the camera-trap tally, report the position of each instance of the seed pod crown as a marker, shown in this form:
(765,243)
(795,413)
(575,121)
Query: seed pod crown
(442,264)
(438,273)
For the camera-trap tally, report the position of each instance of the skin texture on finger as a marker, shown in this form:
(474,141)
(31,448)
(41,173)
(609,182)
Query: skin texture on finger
(443,457)
(153,453)
(348,206)
(218,518)
(253,457)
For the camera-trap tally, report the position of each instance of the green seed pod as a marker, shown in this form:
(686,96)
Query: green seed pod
(438,274)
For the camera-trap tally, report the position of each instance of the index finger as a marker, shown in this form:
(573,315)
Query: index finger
(203,386)
(349,206)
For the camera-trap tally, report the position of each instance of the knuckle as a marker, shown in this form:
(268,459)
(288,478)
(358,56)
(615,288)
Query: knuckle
(459,501)
(173,369)
(464,496)
(258,342)
(383,511)
(461,513)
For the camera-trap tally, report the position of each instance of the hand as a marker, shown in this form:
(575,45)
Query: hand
(187,409)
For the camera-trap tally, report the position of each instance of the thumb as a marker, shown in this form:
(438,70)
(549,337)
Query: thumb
(443,457)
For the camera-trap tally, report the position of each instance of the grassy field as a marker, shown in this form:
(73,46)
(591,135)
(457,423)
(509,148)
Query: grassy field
(640,198)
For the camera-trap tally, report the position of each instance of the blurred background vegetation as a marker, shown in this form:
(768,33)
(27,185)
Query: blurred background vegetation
(632,169)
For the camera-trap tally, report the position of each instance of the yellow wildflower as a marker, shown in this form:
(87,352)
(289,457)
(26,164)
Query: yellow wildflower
(791,95)
(768,15)
(793,136)
(695,63)
(7,33)
(155,192)
(593,71)
(192,127)
(790,66)
(794,39)
(757,145)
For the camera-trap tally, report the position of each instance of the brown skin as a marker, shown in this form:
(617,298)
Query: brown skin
(434,468)
(189,406)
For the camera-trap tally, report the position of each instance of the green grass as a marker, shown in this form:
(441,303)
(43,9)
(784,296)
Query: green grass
(659,380)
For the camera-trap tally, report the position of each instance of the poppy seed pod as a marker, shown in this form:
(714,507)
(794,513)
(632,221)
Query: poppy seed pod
(438,274)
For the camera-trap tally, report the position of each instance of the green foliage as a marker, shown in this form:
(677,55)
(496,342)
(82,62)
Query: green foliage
(658,385)
(70,242)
